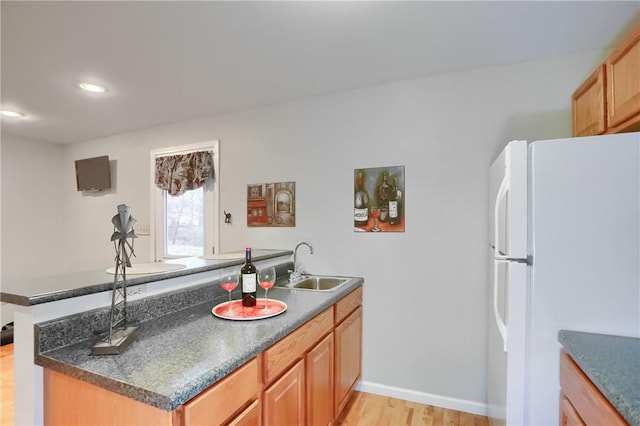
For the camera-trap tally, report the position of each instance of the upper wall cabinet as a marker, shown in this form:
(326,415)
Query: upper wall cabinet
(609,100)
(623,83)
(589,107)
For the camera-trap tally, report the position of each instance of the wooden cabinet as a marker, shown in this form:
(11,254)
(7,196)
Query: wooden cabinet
(568,414)
(69,401)
(281,355)
(284,400)
(348,336)
(623,83)
(218,403)
(348,350)
(320,383)
(609,100)
(580,401)
(589,106)
(301,392)
(73,402)
(251,416)
(306,378)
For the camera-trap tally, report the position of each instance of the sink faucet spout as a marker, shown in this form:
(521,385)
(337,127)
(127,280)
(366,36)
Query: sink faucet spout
(295,274)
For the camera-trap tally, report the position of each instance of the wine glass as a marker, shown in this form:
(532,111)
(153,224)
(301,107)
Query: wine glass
(375,214)
(266,279)
(229,282)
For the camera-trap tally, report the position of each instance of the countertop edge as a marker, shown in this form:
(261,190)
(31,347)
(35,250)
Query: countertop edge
(589,363)
(46,297)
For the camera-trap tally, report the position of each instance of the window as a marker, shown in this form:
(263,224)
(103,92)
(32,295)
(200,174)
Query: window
(186,224)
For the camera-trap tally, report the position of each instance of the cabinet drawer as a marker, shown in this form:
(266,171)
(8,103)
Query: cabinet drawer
(279,356)
(590,404)
(220,401)
(348,304)
(249,417)
(568,414)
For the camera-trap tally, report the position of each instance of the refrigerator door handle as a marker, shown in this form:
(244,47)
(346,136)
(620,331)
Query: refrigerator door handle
(502,328)
(499,258)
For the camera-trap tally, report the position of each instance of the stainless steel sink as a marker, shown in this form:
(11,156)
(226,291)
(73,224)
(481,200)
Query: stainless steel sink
(317,283)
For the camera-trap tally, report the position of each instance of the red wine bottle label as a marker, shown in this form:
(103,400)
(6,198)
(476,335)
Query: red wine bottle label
(249,283)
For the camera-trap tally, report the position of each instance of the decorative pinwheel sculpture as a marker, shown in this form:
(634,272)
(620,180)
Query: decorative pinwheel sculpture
(120,335)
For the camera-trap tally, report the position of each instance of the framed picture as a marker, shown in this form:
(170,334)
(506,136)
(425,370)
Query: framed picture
(271,204)
(379,199)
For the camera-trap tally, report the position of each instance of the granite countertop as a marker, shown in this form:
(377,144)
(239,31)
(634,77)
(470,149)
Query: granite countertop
(176,356)
(612,363)
(48,289)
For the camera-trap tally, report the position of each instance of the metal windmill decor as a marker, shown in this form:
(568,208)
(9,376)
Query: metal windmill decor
(120,335)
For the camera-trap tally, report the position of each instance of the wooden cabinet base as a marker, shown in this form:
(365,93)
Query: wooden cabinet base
(588,403)
(304,379)
(70,402)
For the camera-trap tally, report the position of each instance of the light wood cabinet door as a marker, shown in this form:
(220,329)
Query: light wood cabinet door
(348,358)
(588,105)
(568,414)
(319,369)
(284,400)
(623,83)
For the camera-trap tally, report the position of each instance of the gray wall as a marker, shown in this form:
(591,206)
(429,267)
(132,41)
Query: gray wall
(426,289)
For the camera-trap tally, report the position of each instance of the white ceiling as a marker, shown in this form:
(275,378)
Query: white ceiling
(167,62)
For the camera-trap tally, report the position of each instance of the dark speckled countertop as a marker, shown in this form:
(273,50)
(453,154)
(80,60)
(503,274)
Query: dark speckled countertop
(178,355)
(613,365)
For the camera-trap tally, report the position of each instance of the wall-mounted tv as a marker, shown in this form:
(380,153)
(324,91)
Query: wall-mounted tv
(93,174)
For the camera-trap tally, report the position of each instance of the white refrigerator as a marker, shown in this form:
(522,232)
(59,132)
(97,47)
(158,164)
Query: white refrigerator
(565,250)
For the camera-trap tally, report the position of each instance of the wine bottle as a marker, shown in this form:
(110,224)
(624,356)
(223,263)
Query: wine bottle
(248,280)
(361,204)
(384,192)
(394,203)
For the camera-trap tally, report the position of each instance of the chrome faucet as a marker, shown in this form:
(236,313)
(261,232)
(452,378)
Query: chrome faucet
(295,274)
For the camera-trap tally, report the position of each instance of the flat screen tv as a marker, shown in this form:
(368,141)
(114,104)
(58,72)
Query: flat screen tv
(93,174)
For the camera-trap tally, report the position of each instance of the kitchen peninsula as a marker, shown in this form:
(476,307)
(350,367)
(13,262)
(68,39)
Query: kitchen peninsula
(43,300)
(182,365)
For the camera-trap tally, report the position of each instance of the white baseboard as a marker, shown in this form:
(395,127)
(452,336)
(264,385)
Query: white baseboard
(424,398)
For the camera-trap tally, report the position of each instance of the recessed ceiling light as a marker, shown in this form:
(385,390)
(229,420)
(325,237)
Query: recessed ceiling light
(11,114)
(93,88)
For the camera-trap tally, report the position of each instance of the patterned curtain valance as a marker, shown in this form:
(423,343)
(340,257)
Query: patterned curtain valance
(180,173)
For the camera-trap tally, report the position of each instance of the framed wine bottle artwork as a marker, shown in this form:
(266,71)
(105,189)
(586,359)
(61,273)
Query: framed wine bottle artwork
(271,204)
(379,199)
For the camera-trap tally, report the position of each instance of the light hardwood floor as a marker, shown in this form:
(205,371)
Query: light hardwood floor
(6,386)
(364,409)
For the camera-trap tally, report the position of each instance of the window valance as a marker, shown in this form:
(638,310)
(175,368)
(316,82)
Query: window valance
(180,173)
